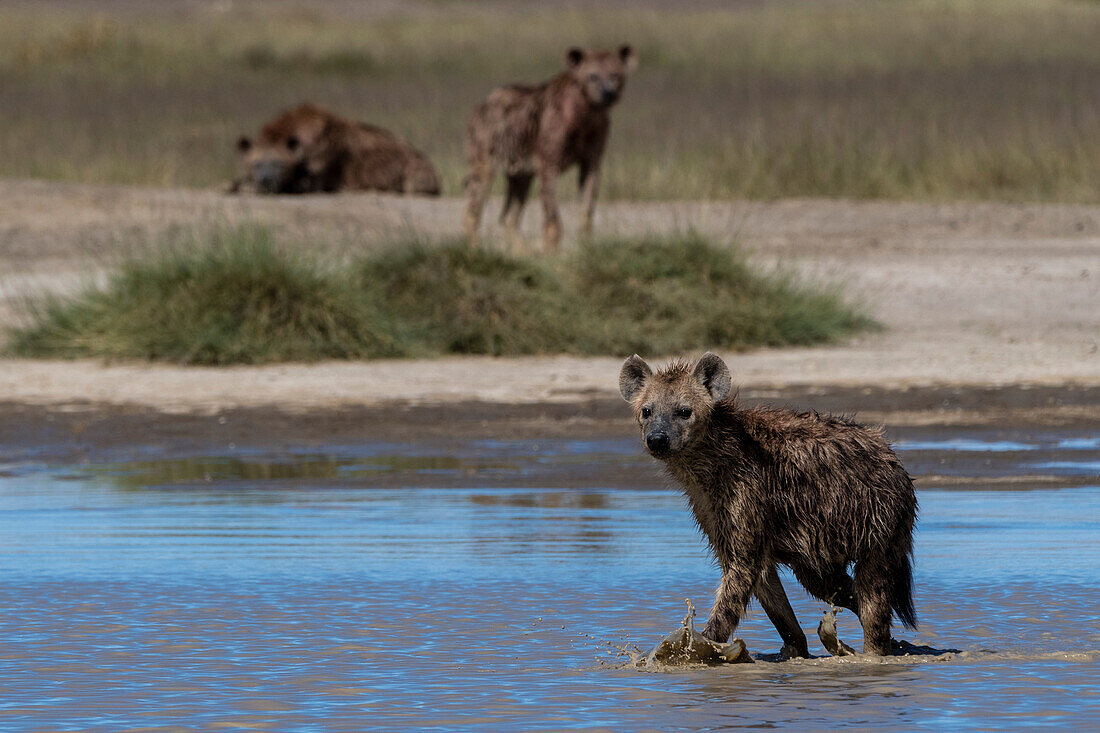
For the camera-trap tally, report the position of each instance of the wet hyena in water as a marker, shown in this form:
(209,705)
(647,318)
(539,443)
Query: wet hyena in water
(543,131)
(769,486)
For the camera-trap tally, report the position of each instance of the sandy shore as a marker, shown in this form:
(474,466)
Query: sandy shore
(971,294)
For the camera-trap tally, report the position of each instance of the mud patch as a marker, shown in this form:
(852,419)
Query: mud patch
(687,646)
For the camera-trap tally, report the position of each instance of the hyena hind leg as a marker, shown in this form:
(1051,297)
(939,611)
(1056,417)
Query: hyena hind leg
(773,599)
(834,586)
(873,598)
(519,187)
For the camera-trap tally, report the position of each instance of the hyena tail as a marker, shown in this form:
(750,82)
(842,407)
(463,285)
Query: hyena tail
(900,555)
(901,592)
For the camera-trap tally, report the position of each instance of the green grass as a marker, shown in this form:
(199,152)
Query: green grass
(241,299)
(928,99)
(449,298)
(660,295)
(234,300)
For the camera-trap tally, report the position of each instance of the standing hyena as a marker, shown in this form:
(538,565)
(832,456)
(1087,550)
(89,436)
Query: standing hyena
(770,487)
(542,131)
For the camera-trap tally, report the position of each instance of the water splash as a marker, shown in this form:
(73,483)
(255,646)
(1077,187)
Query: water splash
(827,633)
(686,646)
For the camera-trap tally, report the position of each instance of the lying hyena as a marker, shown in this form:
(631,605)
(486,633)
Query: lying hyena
(542,131)
(307,149)
(769,486)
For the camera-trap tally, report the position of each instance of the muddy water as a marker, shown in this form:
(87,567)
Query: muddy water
(491,585)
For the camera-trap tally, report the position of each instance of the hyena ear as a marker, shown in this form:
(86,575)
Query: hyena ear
(244,144)
(573,57)
(632,376)
(713,374)
(628,57)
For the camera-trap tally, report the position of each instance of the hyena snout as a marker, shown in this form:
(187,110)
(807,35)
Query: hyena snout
(268,175)
(658,442)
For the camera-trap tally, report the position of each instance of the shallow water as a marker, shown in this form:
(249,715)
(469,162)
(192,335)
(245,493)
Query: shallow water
(491,587)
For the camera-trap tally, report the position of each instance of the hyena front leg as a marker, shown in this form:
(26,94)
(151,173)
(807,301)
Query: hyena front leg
(589,186)
(734,590)
(548,191)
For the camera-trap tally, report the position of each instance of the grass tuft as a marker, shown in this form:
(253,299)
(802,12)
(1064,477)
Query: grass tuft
(235,300)
(670,294)
(452,298)
(240,299)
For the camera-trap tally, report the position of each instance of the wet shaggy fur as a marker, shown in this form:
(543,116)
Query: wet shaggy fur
(770,486)
(307,149)
(542,131)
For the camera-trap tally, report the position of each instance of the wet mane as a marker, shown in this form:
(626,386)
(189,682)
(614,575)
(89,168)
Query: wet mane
(675,370)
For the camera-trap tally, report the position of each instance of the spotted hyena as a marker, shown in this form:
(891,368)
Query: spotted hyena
(542,131)
(307,149)
(770,486)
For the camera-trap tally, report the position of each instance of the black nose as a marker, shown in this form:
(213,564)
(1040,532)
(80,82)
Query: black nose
(609,96)
(266,175)
(657,442)
(266,183)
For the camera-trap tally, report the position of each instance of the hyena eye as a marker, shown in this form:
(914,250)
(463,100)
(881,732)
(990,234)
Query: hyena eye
(683,413)
(646,412)
(593,77)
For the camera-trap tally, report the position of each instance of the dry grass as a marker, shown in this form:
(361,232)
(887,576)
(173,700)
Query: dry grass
(865,98)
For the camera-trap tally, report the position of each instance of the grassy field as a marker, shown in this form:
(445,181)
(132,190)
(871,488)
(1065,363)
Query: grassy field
(239,297)
(863,98)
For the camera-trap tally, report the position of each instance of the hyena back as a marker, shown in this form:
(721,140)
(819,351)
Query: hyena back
(771,487)
(542,131)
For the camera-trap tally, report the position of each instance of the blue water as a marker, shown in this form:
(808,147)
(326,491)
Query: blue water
(383,586)
(964,444)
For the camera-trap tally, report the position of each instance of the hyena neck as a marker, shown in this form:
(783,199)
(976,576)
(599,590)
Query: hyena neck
(573,91)
(697,468)
(694,478)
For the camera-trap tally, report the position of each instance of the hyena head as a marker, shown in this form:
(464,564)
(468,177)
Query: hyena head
(673,405)
(602,74)
(270,165)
